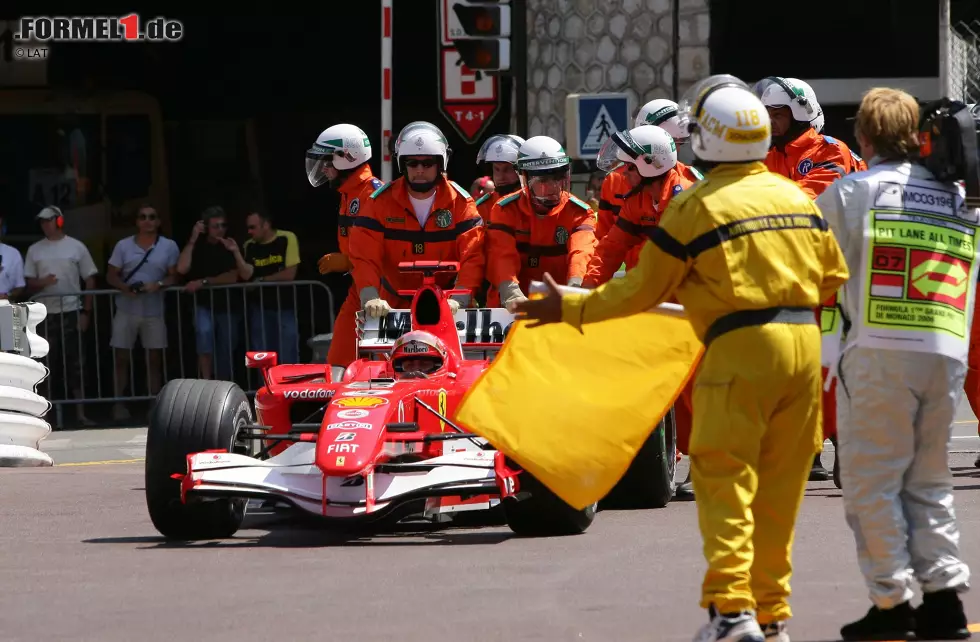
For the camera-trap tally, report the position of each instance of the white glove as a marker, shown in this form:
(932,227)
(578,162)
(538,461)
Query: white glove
(510,292)
(458,301)
(376,308)
(574,282)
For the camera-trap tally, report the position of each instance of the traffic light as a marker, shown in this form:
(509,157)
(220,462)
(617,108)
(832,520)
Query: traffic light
(485,42)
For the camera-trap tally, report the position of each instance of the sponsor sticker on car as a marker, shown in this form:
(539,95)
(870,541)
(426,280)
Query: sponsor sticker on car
(360,402)
(346,436)
(352,413)
(205,459)
(309,393)
(361,393)
(349,425)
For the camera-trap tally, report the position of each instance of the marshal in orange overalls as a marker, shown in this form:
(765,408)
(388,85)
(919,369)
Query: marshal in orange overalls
(522,246)
(387,233)
(354,193)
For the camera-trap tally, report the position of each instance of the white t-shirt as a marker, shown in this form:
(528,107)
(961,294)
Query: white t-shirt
(11,270)
(422,207)
(70,261)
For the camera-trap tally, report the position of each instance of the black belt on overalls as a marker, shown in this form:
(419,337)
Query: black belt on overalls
(747,318)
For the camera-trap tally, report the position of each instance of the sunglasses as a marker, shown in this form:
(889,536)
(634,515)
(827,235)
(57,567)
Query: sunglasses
(427,163)
(146,217)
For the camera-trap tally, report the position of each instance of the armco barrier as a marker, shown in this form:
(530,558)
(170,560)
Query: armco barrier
(21,408)
(115,386)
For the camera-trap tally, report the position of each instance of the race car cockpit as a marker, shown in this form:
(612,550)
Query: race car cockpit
(417,354)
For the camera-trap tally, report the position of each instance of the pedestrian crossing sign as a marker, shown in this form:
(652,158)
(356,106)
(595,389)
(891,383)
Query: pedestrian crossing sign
(591,119)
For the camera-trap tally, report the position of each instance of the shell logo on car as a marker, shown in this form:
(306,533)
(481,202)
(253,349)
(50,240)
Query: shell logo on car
(360,402)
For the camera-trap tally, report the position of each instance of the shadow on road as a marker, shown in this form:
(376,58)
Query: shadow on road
(298,532)
(315,539)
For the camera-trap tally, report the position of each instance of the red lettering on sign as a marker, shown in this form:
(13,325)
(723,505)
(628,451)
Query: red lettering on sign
(891,259)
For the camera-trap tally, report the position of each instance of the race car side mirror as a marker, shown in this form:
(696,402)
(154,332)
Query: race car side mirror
(261,360)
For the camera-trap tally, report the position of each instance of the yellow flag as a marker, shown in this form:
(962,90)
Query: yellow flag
(574,408)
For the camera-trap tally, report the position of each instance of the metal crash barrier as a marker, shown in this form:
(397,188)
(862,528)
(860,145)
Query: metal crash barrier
(21,408)
(103,361)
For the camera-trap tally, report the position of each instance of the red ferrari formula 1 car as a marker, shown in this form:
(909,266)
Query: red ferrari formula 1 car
(375,444)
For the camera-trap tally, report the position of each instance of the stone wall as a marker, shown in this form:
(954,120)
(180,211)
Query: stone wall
(591,46)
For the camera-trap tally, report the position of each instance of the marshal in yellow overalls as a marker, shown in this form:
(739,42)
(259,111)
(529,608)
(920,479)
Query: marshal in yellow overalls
(749,256)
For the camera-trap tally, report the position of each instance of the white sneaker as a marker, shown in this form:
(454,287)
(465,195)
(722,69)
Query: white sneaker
(742,627)
(776,632)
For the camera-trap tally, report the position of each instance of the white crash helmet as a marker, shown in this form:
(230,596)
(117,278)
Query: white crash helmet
(421,138)
(541,158)
(341,146)
(818,121)
(542,153)
(727,122)
(648,147)
(663,113)
(501,148)
(790,92)
(760,87)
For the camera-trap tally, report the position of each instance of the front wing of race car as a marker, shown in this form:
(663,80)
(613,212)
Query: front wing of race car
(293,477)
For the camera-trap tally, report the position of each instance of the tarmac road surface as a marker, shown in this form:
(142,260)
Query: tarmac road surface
(80,560)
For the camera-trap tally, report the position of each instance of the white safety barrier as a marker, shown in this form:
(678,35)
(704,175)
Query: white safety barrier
(21,408)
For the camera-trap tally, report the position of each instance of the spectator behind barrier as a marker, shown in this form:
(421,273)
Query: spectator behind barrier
(216,316)
(269,255)
(55,268)
(139,267)
(11,269)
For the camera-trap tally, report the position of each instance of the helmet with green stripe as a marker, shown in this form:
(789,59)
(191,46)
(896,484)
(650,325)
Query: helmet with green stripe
(341,147)
(663,113)
(545,171)
(650,148)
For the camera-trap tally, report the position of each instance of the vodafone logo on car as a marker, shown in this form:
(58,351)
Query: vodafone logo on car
(352,413)
(309,393)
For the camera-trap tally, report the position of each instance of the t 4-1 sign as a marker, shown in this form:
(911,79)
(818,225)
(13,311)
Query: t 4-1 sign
(467,102)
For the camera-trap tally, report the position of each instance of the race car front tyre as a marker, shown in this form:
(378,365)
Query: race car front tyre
(542,513)
(189,416)
(649,481)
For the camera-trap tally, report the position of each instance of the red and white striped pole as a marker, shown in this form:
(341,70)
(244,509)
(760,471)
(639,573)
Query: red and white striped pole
(385,89)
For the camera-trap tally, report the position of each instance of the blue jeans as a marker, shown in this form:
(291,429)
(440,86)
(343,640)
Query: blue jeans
(217,335)
(274,331)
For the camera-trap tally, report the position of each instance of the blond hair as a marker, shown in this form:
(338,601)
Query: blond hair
(889,120)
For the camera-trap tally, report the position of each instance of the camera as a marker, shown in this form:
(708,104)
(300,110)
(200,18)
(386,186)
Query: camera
(136,288)
(949,138)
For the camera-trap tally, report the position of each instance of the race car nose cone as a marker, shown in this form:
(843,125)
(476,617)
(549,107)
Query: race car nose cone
(341,458)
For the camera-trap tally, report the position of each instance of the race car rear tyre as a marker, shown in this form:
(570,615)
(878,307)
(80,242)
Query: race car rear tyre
(544,514)
(649,481)
(189,416)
